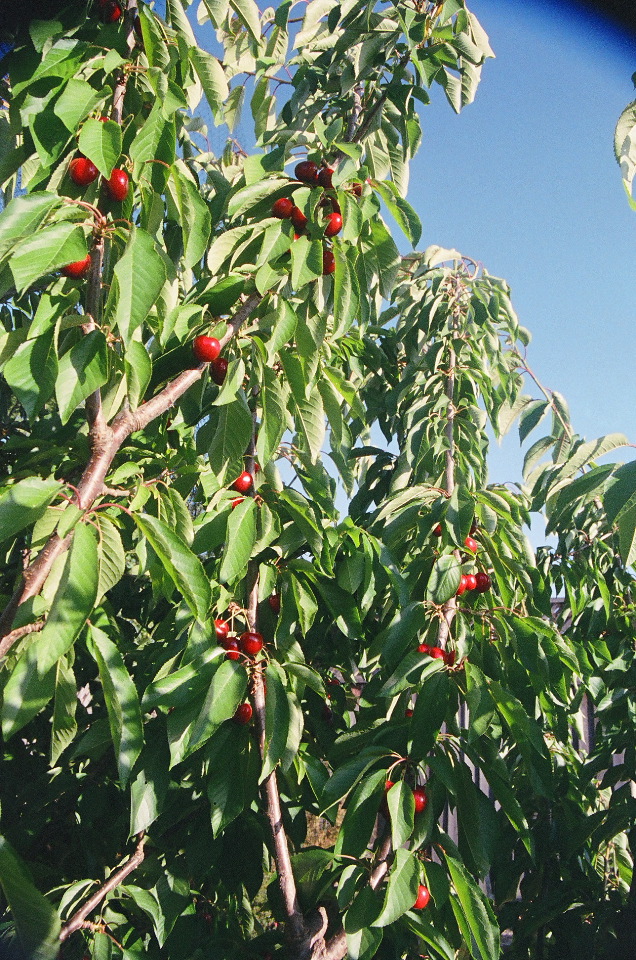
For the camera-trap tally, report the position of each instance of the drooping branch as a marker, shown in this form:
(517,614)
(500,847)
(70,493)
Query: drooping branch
(77,920)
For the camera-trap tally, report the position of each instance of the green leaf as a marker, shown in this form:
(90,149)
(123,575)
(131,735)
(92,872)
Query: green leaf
(138,278)
(227,755)
(402,212)
(361,815)
(37,923)
(31,373)
(122,703)
(149,788)
(212,76)
(75,102)
(100,141)
(306,258)
(231,437)
(364,944)
(182,566)
(306,604)
(476,911)
(81,371)
(402,888)
(22,216)
(433,696)
(347,776)
(444,579)
(183,685)
(310,423)
(195,219)
(402,812)
(26,692)
(227,690)
(138,367)
(247,12)
(239,541)
(527,735)
(24,503)
(274,396)
(47,250)
(64,726)
(277,718)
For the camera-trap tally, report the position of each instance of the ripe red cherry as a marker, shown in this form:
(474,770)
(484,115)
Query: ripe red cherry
(306,171)
(236,502)
(471,581)
(231,645)
(218,370)
(423,648)
(324,176)
(251,642)
(222,629)
(78,269)
(471,544)
(483,583)
(298,218)
(463,585)
(243,482)
(111,11)
(274,602)
(282,208)
(449,658)
(82,171)
(328,262)
(117,185)
(423,896)
(334,224)
(420,798)
(387,785)
(437,531)
(244,714)
(408,713)
(356,189)
(437,653)
(206,349)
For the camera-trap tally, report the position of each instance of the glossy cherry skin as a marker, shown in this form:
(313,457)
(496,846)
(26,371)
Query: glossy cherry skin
(437,530)
(471,544)
(471,581)
(334,224)
(306,171)
(236,502)
(111,11)
(463,585)
(117,185)
(222,629)
(251,642)
(274,602)
(449,658)
(244,714)
(408,713)
(420,798)
(83,171)
(78,269)
(324,176)
(243,482)
(231,645)
(484,582)
(423,648)
(283,208)
(218,370)
(299,219)
(388,784)
(437,653)
(423,896)
(206,349)
(328,262)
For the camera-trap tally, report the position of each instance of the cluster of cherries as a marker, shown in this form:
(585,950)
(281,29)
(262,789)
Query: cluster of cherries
(437,653)
(285,209)
(110,10)
(83,172)
(480,581)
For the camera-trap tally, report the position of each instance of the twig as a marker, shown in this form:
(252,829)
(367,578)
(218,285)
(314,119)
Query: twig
(20,632)
(78,918)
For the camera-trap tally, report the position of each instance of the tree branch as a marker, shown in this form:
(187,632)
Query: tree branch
(78,918)
(449,609)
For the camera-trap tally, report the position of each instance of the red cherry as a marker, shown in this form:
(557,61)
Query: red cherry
(463,585)
(283,208)
(117,185)
(334,224)
(471,581)
(356,189)
(437,531)
(243,482)
(423,896)
(408,713)
(231,645)
(471,544)
(244,714)
(437,653)
(328,262)
(222,629)
(420,798)
(324,176)
(306,171)
(274,602)
(388,784)
(83,171)
(251,642)
(206,349)
(111,11)
(78,269)
(299,219)
(423,648)
(236,502)
(483,583)
(449,658)
(218,370)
